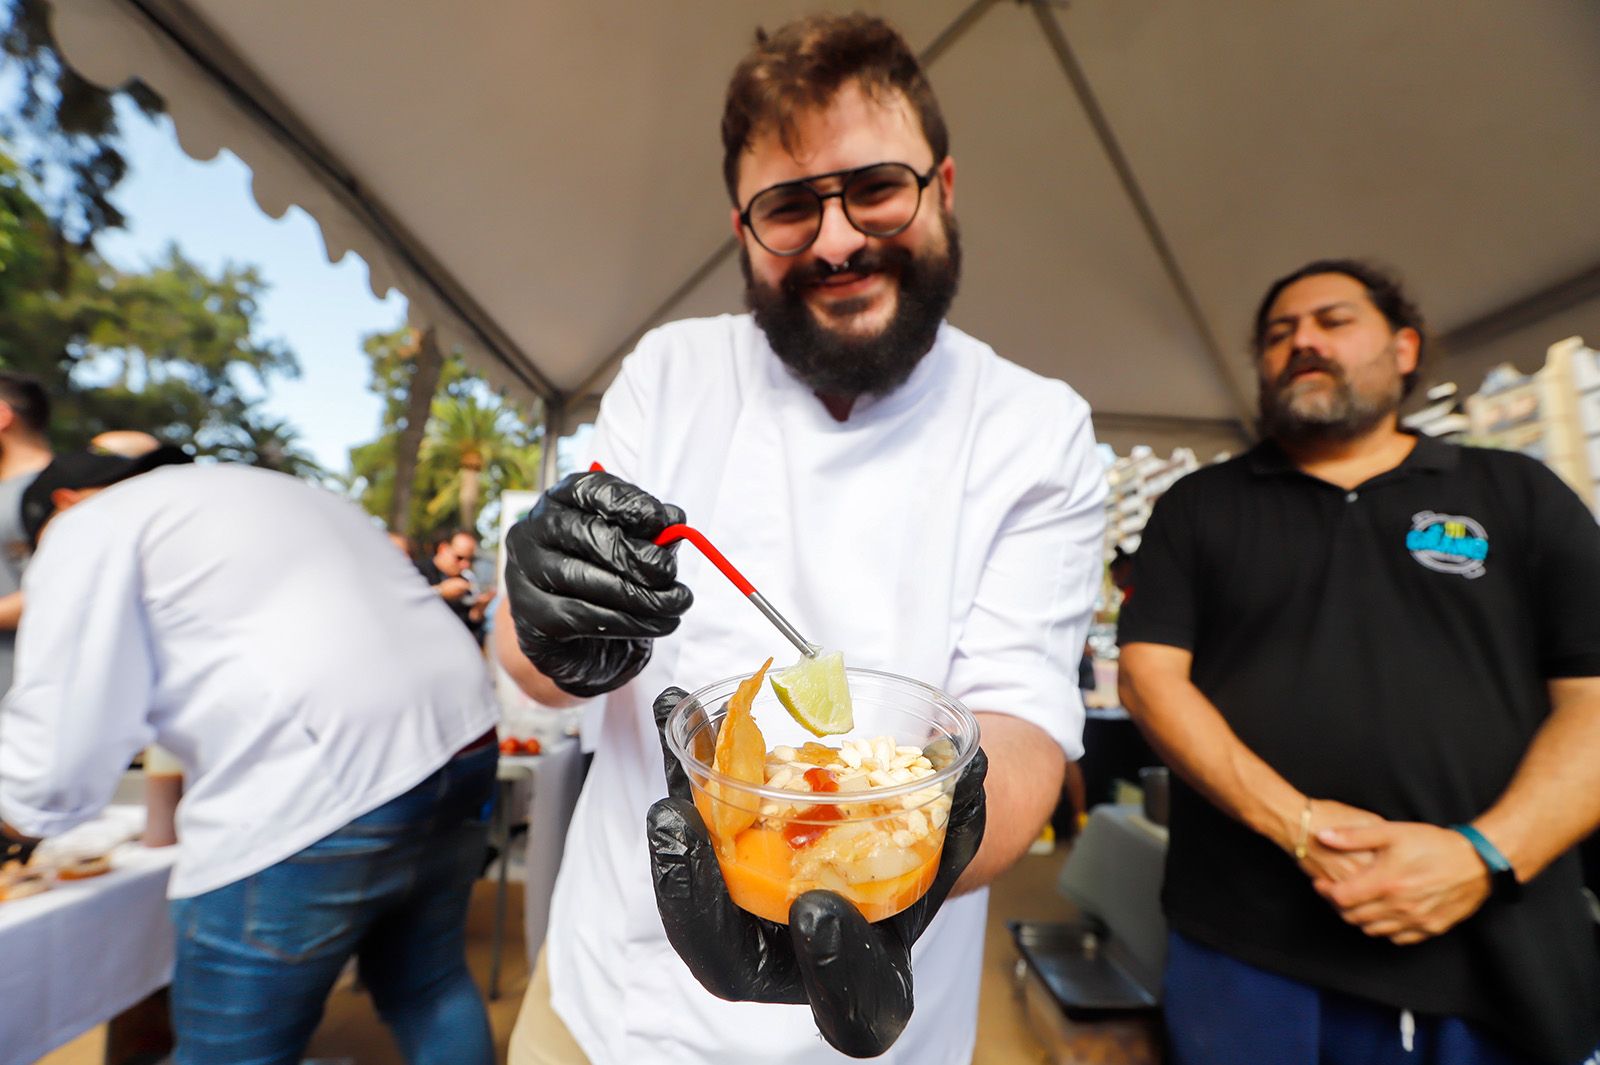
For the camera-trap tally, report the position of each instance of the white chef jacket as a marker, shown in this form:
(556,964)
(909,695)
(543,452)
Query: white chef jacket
(949,532)
(261,629)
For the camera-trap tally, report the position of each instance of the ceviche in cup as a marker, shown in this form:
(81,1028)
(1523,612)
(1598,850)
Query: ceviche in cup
(861,813)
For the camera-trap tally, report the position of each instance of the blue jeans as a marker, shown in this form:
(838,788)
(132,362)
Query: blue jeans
(1222,1011)
(257,958)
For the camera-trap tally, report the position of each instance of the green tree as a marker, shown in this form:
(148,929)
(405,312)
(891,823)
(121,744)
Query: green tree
(32,262)
(154,337)
(171,349)
(473,442)
(272,444)
(474,451)
(69,125)
(408,369)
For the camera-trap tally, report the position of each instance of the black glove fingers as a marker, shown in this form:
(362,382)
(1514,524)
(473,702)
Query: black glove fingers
(964,829)
(968,801)
(857,979)
(963,834)
(555,616)
(559,530)
(636,511)
(639,559)
(587,668)
(590,588)
(735,956)
(677,779)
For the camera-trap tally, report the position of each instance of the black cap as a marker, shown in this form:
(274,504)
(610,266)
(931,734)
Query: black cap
(86,469)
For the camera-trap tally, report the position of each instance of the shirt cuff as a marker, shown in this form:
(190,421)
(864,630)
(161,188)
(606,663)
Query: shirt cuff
(1062,721)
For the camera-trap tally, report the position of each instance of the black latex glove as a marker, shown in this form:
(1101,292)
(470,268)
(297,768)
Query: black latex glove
(589,590)
(855,976)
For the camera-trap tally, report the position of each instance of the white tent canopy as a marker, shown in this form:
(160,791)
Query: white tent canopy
(542,179)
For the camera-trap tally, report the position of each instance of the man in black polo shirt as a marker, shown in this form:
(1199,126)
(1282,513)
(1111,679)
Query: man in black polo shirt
(1373,661)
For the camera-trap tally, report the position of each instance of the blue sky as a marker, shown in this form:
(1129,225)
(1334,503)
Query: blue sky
(321,310)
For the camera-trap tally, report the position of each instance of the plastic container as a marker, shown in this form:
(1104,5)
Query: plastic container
(878,845)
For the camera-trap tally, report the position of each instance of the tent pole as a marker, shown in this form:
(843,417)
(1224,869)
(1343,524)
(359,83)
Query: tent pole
(554,409)
(1056,38)
(955,31)
(1523,311)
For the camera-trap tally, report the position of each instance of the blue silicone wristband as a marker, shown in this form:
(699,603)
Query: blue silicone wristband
(1503,883)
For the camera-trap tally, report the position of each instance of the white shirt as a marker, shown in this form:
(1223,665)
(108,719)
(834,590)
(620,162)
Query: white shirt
(949,532)
(261,629)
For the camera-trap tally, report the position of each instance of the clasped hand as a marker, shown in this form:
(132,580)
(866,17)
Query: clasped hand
(855,976)
(1400,880)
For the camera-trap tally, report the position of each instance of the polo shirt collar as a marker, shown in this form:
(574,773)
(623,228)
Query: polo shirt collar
(1431,454)
(1267,458)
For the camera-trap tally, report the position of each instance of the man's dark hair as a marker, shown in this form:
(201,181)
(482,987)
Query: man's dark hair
(446,537)
(1383,289)
(803,65)
(27,399)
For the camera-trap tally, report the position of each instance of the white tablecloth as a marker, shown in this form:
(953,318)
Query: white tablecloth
(82,952)
(556,778)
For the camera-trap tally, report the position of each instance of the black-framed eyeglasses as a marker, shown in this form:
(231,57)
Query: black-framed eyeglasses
(879,200)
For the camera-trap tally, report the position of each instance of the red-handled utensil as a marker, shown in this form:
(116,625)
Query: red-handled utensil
(674,533)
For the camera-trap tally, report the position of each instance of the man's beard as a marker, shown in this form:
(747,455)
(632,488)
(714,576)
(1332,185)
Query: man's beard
(1346,415)
(837,364)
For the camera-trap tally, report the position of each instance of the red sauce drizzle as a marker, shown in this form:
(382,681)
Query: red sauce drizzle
(821,780)
(799,833)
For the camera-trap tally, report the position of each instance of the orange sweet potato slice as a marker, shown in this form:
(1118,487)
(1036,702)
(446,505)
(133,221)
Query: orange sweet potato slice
(758,874)
(741,749)
(742,755)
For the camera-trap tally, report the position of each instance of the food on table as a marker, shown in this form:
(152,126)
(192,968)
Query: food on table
(838,831)
(816,694)
(83,868)
(512,745)
(18,881)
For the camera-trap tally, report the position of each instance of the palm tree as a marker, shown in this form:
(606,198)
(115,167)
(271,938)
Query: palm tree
(272,444)
(474,450)
(426,361)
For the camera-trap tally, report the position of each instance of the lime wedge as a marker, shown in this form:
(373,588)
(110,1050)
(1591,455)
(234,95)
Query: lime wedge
(815,693)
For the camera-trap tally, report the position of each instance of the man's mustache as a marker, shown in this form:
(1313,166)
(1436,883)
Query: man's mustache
(1303,361)
(866,261)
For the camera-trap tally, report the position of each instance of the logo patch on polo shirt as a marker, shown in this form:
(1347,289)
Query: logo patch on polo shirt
(1448,543)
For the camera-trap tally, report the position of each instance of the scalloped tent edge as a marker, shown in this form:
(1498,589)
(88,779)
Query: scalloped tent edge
(1129,308)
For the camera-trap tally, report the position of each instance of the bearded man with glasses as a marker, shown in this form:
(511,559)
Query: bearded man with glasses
(909,496)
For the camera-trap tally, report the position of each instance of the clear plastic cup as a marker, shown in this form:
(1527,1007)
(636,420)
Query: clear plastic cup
(878,846)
